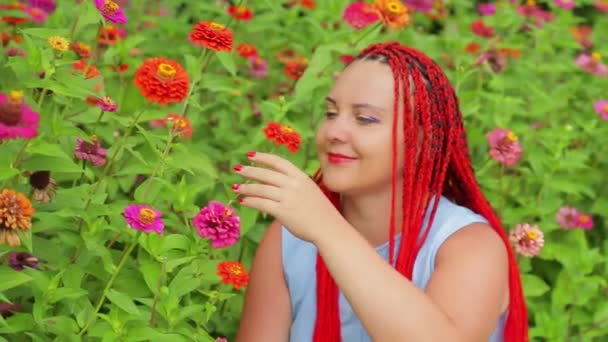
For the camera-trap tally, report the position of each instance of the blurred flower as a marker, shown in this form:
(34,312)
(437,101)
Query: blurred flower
(89,70)
(8,309)
(6,37)
(91,151)
(111,11)
(246,50)
(601,5)
(15,214)
(14,51)
(566,217)
(581,33)
(179,125)
(479,28)
(360,14)
(82,50)
(234,273)
(59,43)
(294,69)
(144,218)
(43,185)
(20,260)
(240,13)
(531,10)
(211,35)
(283,135)
(346,59)
(504,147)
(110,35)
(592,64)
(107,104)
(37,15)
(486,9)
(420,5)
(601,107)
(162,80)
(218,223)
(120,68)
(393,13)
(17,120)
(309,4)
(48,6)
(437,12)
(258,67)
(221,339)
(528,239)
(472,48)
(15,6)
(584,221)
(565,4)
(496,60)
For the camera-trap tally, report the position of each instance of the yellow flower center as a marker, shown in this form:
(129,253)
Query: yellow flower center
(395,7)
(146,216)
(109,7)
(165,71)
(16,96)
(107,101)
(228,212)
(512,137)
(236,270)
(287,129)
(531,2)
(583,218)
(596,56)
(84,47)
(531,235)
(605,108)
(241,9)
(36,11)
(58,43)
(216,26)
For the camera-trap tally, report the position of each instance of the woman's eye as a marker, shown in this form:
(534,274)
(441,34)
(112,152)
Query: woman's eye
(330,115)
(366,120)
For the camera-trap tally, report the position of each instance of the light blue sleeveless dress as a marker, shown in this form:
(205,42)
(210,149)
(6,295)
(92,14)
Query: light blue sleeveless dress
(299,262)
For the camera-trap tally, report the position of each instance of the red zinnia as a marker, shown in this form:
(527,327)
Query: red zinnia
(294,69)
(481,29)
(310,4)
(179,125)
(211,35)
(110,35)
(283,135)
(240,13)
(162,80)
(234,273)
(82,66)
(246,50)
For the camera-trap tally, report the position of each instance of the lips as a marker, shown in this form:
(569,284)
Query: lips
(336,158)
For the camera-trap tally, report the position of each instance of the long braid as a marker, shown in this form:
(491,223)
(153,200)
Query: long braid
(439,161)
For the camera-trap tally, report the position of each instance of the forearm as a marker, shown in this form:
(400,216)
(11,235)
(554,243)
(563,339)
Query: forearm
(390,306)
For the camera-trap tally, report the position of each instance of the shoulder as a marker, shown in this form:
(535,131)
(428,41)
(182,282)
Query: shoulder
(477,239)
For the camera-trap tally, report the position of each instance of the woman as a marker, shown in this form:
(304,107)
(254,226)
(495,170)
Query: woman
(393,154)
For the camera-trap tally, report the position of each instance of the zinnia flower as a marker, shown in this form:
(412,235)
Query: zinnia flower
(258,67)
(486,9)
(504,146)
(393,13)
(48,6)
(532,10)
(295,68)
(584,221)
(240,13)
(91,151)
(37,15)
(480,28)
(107,104)
(309,4)
(179,125)
(211,35)
(565,4)
(420,5)
(144,218)
(601,5)
(17,120)
(43,186)
(234,273)
(528,239)
(601,108)
(83,50)
(591,64)
(283,135)
(111,11)
(581,33)
(566,217)
(218,223)
(110,35)
(14,51)
(246,50)
(59,44)
(162,80)
(360,14)
(90,69)
(15,215)
(8,309)
(20,260)
(495,59)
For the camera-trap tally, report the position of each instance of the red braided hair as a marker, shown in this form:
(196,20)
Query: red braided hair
(442,165)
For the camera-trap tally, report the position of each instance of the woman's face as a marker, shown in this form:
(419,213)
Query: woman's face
(358,124)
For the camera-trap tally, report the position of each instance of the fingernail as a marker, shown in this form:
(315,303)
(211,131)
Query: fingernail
(237,167)
(235,187)
(240,199)
(250,154)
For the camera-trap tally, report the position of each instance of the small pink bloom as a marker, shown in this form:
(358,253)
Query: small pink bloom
(48,6)
(17,120)
(528,239)
(37,15)
(601,107)
(565,4)
(258,67)
(221,339)
(584,221)
(566,217)
(144,218)
(107,104)
(496,60)
(420,5)
(20,260)
(91,151)
(111,11)
(504,146)
(359,15)
(218,223)
(539,15)
(591,64)
(486,9)
(601,5)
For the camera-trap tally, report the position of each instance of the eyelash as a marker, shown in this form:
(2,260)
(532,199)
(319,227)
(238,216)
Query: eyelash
(361,119)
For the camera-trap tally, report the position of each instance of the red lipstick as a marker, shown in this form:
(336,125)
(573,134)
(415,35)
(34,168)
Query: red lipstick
(336,158)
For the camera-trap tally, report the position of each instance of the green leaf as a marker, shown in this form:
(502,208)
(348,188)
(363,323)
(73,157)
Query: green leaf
(150,272)
(227,60)
(10,278)
(176,241)
(8,172)
(123,301)
(533,285)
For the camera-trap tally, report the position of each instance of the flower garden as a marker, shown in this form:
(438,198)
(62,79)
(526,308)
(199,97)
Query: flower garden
(122,123)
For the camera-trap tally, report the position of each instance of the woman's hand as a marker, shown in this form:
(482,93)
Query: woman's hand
(288,194)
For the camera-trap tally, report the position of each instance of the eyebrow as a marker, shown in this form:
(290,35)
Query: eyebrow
(356,105)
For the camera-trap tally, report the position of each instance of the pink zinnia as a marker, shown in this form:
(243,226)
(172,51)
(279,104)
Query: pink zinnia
(36,14)
(19,260)
(221,339)
(17,120)
(111,11)
(565,4)
(258,67)
(504,146)
(144,218)
(566,217)
(486,9)
(584,221)
(92,152)
(601,107)
(591,64)
(107,104)
(218,223)
(601,5)
(48,6)
(359,15)
(539,15)
(528,239)
(420,5)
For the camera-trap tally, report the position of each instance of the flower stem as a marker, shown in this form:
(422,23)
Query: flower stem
(163,269)
(73,28)
(110,283)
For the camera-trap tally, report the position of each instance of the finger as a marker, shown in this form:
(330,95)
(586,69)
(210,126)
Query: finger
(258,190)
(274,162)
(261,204)
(262,175)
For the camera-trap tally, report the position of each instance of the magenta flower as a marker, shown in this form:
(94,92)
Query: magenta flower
(584,221)
(591,64)
(48,6)
(504,146)
(91,151)
(107,104)
(420,5)
(528,239)
(601,107)
(17,120)
(258,67)
(37,15)
(8,309)
(18,261)
(14,52)
(496,60)
(601,5)
(144,218)
(218,223)
(359,15)
(538,15)
(566,217)
(221,339)
(111,11)
(486,9)
(565,4)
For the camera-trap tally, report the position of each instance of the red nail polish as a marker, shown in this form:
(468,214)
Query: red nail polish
(250,154)
(235,187)
(241,200)
(237,167)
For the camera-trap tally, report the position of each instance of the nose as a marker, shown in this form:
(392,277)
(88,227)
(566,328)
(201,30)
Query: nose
(337,129)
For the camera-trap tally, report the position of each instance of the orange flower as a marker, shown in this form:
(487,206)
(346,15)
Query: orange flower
(393,13)
(110,35)
(246,50)
(120,68)
(310,4)
(472,48)
(240,13)
(234,273)
(14,6)
(83,66)
(83,50)
(287,55)
(162,80)
(15,214)
(179,125)
(283,135)
(294,69)
(211,35)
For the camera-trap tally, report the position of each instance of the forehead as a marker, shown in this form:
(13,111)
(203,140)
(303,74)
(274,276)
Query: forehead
(364,81)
